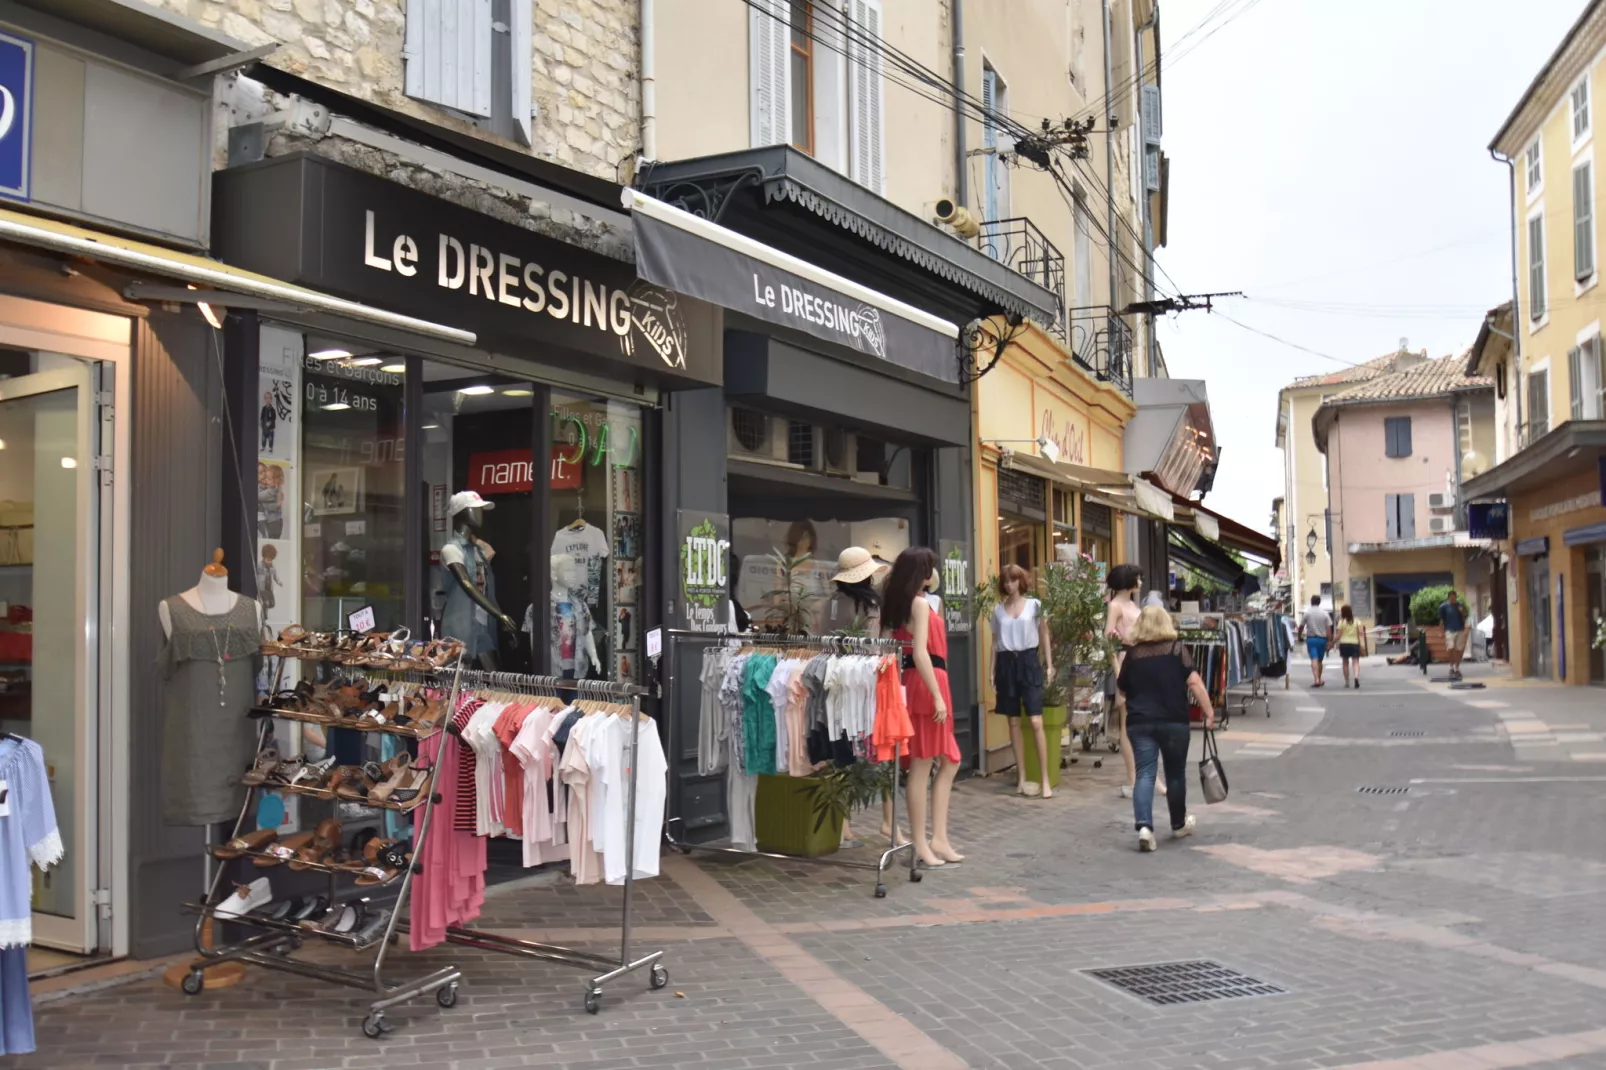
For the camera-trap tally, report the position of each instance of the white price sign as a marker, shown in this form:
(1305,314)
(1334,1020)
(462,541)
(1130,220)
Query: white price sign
(655,642)
(362,620)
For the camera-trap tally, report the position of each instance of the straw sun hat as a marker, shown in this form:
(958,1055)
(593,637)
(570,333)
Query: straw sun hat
(855,564)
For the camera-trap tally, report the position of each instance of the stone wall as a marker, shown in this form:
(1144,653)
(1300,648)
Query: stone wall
(584,63)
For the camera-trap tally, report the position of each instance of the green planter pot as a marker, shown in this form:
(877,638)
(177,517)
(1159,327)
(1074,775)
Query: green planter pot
(1054,718)
(785,820)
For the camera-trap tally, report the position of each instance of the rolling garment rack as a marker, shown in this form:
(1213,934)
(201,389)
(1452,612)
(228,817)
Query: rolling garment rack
(839,644)
(274,947)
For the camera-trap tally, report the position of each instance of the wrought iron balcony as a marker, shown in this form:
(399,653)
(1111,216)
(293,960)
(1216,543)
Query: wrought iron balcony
(1101,345)
(1021,247)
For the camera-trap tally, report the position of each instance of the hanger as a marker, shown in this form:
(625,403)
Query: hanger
(580,511)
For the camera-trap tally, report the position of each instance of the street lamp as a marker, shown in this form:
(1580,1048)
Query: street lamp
(1310,547)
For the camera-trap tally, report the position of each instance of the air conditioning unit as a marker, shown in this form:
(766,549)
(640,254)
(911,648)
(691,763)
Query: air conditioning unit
(1441,525)
(1441,500)
(841,452)
(755,436)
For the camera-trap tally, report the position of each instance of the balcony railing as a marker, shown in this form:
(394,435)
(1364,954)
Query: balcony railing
(1020,246)
(1102,347)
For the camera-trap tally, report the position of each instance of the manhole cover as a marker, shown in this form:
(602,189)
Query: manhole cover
(1376,790)
(1408,735)
(1170,983)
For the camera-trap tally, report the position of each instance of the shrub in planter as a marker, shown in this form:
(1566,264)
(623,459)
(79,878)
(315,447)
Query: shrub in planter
(1425,604)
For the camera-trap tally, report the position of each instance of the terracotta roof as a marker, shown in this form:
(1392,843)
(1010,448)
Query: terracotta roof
(1446,375)
(1369,370)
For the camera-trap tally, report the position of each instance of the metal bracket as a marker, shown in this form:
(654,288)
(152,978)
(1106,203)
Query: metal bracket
(223,64)
(706,197)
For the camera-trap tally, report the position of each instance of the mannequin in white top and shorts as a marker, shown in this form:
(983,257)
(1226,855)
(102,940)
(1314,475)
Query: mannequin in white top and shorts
(1023,660)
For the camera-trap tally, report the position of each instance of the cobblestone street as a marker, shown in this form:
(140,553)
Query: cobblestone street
(1450,922)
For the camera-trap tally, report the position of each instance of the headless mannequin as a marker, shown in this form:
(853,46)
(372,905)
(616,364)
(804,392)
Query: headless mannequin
(937,851)
(467,527)
(211,595)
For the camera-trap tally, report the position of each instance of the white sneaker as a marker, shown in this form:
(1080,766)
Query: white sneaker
(1145,840)
(245,899)
(1033,789)
(1186,829)
(1126,791)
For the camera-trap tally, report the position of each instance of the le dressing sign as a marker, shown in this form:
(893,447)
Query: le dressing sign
(385,244)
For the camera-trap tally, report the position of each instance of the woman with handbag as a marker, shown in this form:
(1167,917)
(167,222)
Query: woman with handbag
(1156,681)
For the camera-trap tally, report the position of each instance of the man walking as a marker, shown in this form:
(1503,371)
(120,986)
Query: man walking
(1453,616)
(1316,626)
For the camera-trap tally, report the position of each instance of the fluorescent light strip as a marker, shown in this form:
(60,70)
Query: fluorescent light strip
(741,243)
(330,354)
(477,390)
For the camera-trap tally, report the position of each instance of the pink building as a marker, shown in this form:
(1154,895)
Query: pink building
(1396,449)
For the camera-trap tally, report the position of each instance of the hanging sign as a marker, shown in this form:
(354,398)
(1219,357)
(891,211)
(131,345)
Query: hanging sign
(16,115)
(956,588)
(704,569)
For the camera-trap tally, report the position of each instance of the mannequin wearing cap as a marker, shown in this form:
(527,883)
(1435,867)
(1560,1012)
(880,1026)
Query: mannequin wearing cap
(471,600)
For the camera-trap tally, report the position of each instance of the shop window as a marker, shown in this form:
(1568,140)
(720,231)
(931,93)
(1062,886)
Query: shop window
(1098,531)
(783,569)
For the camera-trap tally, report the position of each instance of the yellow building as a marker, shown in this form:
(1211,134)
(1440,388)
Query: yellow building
(1550,386)
(1048,471)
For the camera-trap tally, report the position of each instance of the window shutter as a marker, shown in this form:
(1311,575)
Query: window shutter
(1575,383)
(1538,403)
(447,54)
(1404,435)
(1536,267)
(769,72)
(1407,516)
(867,143)
(1391,517)
(1583,222)
(1151,115)
(522,46)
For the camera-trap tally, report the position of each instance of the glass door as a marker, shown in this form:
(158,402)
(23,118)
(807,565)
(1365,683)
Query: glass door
(49,581)
(1539,617)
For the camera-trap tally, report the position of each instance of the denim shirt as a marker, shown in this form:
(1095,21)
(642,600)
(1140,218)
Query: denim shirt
(462,618)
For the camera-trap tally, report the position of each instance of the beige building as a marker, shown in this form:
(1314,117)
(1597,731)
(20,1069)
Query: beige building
(1304,531)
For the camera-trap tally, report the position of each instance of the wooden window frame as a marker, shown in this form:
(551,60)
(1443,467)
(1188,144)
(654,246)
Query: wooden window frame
(806,50)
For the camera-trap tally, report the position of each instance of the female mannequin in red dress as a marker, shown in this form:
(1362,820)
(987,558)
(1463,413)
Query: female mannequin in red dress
(908,616)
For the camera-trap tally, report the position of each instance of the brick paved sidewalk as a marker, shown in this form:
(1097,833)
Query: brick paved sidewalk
(1451,920)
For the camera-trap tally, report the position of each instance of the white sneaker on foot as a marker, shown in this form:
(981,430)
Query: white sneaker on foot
(1126,791)
(1186,829)
(1145,840)
(1033,789)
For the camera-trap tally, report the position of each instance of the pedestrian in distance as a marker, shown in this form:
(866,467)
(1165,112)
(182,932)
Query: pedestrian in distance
(1351,646)
(1125,583)
(1316,628)
(1156,682)
(1453,616)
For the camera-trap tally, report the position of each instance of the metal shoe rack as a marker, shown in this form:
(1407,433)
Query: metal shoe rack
(826,644)
(274,947)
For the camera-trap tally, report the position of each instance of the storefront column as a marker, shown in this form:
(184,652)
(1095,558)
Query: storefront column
(243,401)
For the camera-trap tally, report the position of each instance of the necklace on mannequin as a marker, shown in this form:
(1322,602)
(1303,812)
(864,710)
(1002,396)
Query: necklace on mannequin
(222,652)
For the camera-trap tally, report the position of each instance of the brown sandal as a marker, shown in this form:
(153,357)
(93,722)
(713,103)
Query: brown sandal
(325,838)
(251,841)
(287,849)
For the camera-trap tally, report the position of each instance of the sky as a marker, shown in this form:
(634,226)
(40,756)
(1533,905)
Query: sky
(1330,160)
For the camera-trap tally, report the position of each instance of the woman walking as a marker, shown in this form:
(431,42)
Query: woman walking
(1156,680)
(1125,583)
(1023,660)
(1351,646)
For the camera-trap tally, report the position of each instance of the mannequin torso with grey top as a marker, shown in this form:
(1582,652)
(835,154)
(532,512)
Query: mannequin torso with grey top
(211,596)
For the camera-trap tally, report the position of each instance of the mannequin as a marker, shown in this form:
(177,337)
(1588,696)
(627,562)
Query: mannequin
(471,600)
(910,615)
(211,595)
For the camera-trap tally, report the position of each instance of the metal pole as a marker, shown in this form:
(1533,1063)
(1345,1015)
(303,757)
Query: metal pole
(961,183)
(1109,151)
(630,832)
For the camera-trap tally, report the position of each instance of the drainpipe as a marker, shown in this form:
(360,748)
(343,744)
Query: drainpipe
(961,185)
(649,82)
(1516,384)
(1109,152)
(1153,23)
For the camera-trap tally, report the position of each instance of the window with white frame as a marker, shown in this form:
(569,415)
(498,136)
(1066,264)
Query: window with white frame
(1536,267)
(1538,403)
(1583,221)
(1580,102)
(1584,380)
(1533,167)
(474,57)
(995,174)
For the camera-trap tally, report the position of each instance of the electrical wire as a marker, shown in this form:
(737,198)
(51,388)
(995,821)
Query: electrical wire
(1286,342)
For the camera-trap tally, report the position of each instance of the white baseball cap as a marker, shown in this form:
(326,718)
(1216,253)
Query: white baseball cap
(467,499)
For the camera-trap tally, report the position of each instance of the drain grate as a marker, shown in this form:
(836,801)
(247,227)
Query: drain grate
(1407,735)
(1373,789)
(1170,983)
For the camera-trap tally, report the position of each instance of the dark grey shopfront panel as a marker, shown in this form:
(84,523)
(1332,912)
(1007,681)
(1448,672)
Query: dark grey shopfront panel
(951,528)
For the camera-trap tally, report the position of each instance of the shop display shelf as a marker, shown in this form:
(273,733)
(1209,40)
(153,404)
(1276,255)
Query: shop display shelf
(329,796)
(421,668)
(309,867)
(331,722)
(288,928)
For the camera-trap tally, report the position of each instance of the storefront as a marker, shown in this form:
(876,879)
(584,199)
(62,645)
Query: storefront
(1552,549)
(1048,472)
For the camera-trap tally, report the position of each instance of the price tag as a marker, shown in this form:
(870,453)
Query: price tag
(356,527)
(311,531)
(362,620)
(655,642)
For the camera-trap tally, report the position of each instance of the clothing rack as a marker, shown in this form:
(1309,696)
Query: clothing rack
(274,947)
(842,644)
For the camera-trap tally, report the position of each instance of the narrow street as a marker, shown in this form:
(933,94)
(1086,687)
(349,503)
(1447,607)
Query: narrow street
(1413,868)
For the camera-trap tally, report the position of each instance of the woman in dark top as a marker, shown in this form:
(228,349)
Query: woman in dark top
(1157,677)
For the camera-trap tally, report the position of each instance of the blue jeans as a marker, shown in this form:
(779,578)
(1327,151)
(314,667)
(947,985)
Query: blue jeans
(1151,741)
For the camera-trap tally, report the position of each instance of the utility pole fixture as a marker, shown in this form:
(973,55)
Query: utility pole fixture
(1179,303)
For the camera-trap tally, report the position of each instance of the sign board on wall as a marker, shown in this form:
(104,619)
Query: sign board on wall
(1488,520)
(1360,596)
(704,542)
(956,587)
(16,115)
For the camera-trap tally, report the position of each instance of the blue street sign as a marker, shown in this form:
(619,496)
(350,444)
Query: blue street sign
(16,115)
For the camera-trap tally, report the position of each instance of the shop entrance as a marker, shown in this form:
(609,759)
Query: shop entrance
(1539,619)
(1595,590)
(52,578)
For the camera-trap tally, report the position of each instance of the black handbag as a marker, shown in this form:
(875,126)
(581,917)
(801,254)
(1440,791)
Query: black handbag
(1212,776)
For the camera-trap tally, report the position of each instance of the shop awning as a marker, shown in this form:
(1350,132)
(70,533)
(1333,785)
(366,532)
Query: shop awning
(1117,490)
(694,256)
(1204,556)
(1215,528)
(201,272)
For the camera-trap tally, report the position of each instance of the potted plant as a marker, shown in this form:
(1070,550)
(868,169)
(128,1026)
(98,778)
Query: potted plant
(803,816)
(794,605)
(1425,615)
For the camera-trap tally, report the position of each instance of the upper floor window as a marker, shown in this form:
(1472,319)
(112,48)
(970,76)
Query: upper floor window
(995,174)
(1580,102)
(1538,403)
(1536,267)
(1583,221)
(1584,380)
(474,57)
(1397,436)
(802,76)
(1533,167)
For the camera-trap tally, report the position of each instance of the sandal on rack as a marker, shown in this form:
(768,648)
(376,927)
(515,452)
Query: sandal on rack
(386,859)
(286,850)
(397,772)
(325,838)
(250,841)
(407,786)
(287,644)
(308,774)
(359,787)
(266,763)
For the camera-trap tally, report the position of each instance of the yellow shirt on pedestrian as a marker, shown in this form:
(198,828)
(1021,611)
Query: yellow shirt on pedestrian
(1349,632)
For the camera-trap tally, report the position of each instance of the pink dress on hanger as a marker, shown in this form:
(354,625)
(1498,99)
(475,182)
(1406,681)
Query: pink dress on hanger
(451,888)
